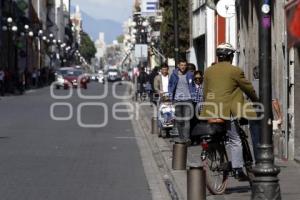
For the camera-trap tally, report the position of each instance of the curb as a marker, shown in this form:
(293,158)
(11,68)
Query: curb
(163,155)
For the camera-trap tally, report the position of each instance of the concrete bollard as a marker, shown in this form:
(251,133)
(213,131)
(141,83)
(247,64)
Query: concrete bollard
(179,156)
(154,125)
(196,183)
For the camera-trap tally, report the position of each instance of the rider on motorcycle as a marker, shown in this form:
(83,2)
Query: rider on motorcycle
(224,89)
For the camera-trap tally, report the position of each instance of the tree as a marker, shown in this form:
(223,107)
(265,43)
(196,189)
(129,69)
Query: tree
(167,27)
(120,39)
(87,47)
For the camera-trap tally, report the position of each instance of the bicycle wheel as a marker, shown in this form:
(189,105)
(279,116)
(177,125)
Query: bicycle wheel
(247,156)
(248,160)
(215,167)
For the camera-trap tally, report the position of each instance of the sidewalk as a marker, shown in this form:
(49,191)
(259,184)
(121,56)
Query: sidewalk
(289,176)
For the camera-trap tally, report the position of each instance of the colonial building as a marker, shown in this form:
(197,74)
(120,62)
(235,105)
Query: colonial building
(241,30)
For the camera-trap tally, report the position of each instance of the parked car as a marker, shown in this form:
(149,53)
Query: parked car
(113,75)
(66,77)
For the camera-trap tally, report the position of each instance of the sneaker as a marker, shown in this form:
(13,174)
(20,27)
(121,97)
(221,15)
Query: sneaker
(239,174)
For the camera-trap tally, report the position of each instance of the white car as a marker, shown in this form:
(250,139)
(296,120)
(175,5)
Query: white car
(113,75)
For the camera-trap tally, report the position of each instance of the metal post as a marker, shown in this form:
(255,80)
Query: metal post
(154,125)
(179,156)
(196,183)
(265,184)
(176,32)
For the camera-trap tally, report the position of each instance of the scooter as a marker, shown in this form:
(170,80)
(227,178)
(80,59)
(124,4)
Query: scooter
(101,79)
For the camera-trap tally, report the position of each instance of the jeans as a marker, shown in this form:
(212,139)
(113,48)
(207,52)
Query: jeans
(234,144)
(255,135)
(183,114)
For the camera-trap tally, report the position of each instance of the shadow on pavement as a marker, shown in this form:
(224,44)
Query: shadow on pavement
(238,189)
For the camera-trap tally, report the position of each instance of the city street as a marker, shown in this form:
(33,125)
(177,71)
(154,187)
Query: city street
(149,100)
(58,160)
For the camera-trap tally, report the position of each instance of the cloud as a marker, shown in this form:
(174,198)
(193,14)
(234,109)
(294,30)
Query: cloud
(118,10)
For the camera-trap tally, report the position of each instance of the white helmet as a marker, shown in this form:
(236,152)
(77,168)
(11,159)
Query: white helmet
(225,50)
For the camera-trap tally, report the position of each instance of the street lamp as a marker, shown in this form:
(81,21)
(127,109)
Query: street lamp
(9,20)
(30,34)
(265,184)
(11,29)
(40,36)
(14,28)
(4,28)
(40,33)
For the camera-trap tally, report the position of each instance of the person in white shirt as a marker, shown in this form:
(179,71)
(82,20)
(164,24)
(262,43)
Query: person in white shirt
(161,81)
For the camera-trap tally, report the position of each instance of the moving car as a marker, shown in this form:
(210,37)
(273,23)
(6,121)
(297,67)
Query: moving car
(113,75)
(68,76)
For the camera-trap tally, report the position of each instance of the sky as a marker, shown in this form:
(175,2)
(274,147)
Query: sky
(118,10)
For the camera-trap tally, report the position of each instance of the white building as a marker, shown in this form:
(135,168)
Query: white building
(101,47)
(77,23)
(59,19)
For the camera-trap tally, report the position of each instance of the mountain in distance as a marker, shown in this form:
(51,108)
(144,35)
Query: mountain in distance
(92,26)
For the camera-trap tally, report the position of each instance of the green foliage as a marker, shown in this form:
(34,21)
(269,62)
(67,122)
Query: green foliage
(120,39)
(167,27)
(87,47)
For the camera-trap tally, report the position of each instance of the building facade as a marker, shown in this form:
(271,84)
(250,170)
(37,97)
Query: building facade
(241,30)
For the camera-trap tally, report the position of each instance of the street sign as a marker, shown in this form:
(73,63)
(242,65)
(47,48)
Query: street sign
(149,7)
(141,51)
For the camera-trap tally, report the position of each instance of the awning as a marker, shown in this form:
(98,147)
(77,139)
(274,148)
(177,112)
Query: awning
(293,22)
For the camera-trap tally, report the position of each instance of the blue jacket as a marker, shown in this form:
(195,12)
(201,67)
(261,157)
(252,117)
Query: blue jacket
(174,80)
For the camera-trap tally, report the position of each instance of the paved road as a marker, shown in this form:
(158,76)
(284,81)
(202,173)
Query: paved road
(44,159)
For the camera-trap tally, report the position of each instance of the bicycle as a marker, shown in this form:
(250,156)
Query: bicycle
(214,155)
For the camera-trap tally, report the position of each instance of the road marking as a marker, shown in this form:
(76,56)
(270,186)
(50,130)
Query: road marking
(121,138)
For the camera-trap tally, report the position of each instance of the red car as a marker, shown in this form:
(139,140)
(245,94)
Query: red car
(75,78)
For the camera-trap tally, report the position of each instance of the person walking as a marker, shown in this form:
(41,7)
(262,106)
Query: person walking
(142,80)
(152,76)
(2,78)
(198,100)
(161,81)
(224,86)
(34,77)
(181,89)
